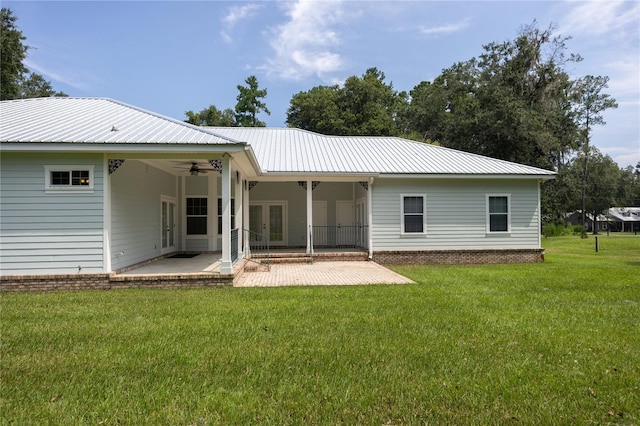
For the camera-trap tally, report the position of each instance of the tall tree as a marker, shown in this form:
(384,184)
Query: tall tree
(590,105)
(13,52)
(365,105)
(212,116)
(249,103)
(16,82)
(512,102)
(602,183)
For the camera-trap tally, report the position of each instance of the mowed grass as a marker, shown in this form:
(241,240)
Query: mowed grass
(551,343)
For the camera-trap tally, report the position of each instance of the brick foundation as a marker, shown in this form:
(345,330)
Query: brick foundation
(109,281)
(459,257)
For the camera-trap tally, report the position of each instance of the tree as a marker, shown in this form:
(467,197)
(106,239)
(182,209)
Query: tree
(13,52)
(601,188)
(363,106)
(590,105)
(249,104)
(16,82)
(212,116)
(512,102)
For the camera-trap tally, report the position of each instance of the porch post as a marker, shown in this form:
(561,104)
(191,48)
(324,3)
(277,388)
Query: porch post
(370,218)
(226,266)
(239,209)
(309,215)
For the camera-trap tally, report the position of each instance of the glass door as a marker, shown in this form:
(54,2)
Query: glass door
(168,225)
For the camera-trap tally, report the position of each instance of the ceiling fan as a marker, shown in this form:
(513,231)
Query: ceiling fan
(195,169)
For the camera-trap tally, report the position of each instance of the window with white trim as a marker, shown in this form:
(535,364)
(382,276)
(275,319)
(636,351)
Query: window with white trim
(233,215)
(197,215)
(414,217)
(498,213)
(69,178)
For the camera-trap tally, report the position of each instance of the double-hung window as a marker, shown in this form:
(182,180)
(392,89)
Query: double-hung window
(197,216)
(414,216)
(69,178)
(498,213)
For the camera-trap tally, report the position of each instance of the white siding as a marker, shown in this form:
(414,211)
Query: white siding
(49,233)
(136,190)
(456,214)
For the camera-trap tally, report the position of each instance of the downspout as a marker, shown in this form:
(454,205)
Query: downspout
(370,217)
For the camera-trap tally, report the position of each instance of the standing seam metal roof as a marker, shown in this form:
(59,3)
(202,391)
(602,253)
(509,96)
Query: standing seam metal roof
(94,120)
(276,150)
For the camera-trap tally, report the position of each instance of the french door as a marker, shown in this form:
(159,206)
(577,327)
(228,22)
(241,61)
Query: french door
(269,219)
(168,224)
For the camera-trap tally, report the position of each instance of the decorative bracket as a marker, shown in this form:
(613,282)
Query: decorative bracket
(365,185)
(217,165)
(114,164)
(314,184)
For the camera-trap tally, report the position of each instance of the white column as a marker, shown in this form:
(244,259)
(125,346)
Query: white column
(370,217)
(106,225)
(226,267)
(309,214)
(239,208)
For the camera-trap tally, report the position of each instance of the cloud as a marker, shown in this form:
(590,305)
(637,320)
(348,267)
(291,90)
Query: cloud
(56,76)
(445,29)
(234,15)
(306,43)
(600,17)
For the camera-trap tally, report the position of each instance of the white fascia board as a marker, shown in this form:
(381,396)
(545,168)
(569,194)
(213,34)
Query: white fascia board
(467,176)
(124,148)
(324,177)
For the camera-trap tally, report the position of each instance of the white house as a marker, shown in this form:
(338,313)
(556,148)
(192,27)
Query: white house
(91,186)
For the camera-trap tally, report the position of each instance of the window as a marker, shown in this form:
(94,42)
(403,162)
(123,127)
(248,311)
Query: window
(196,216)
(233,215)
(413,214)
(69,178)
(498,217)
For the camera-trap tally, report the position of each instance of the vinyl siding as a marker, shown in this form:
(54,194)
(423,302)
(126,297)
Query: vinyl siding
(49,233)
(456,214)
(136,191)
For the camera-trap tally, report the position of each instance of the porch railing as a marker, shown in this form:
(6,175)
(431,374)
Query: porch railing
(234,245)
(256,243)
(352,236)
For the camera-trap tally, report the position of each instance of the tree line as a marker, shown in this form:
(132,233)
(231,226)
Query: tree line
(515,101)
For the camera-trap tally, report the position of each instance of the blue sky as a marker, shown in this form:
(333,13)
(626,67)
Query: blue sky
(170,56)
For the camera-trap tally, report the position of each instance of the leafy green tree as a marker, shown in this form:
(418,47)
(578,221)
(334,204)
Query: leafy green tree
(13,52)
(363,106)
(212,116)
(590,105)
(16,82)
(512,102)
(601,188)
(249,104)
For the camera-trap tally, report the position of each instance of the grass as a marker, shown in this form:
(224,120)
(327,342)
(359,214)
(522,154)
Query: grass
(552,343)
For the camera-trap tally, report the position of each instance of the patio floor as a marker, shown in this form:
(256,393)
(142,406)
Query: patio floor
(287,274)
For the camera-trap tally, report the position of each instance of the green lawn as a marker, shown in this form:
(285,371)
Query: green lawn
(551,343)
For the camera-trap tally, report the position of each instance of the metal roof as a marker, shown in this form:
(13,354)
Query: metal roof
(93,121)
(277,150)
(289,150)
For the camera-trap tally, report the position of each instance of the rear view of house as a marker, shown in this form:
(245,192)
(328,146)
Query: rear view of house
(90,187)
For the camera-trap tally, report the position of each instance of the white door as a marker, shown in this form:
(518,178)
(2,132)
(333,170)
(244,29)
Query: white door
(319,223)
(344,221)
(269,219)
(167,224)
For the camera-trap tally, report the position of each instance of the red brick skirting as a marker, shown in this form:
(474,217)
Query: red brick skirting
(109,281)
(459,257)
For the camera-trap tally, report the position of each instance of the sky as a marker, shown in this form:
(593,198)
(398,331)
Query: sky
(170,57)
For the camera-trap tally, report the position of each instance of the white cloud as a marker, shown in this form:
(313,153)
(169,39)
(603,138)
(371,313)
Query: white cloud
(48,74)
(445,29)
(600,17)
(306,44)
(234,15)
